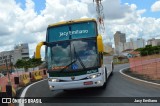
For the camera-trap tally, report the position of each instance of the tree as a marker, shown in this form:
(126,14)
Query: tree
(35,62)
(28,63)
(149,50)
(23,63)
(20,63)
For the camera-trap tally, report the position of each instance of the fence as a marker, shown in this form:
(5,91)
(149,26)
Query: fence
(20,79)
(148,65)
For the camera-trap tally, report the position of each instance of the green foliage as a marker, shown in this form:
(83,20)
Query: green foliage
(28,63)
(139,49)
(20,63)
(149,50)
(35,62)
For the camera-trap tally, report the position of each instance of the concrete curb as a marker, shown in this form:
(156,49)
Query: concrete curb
(121,71)
(22,95)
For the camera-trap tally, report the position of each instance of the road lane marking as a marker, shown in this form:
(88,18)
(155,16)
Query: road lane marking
(25,90)
(121,71)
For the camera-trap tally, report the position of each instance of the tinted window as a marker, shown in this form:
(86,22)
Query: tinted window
(61,54)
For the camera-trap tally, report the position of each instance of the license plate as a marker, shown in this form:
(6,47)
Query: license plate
(88,83)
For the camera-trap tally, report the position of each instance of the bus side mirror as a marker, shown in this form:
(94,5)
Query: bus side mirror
(38,50)
(100,43)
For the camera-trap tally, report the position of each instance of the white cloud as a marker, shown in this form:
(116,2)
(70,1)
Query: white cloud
(27,26)
(114,10)
(156,6)
(13,20)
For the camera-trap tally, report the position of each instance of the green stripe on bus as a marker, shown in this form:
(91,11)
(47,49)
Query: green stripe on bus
(68,74)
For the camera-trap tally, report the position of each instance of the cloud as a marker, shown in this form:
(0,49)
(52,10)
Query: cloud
(61,54)
(146,28)
(114,10)
(156,6)
(27,26)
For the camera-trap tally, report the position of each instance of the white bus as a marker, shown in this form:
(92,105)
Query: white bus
(74,55)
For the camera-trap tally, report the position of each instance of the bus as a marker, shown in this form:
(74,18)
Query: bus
(74,55)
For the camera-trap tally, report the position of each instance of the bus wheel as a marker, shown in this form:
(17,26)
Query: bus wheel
(112,73)
(112,69)
(105,84)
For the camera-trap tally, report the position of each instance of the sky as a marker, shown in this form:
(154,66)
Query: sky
(145,4)
(26,21)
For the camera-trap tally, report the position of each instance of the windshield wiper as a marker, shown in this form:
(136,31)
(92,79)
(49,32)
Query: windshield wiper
(68,65)
(77,58)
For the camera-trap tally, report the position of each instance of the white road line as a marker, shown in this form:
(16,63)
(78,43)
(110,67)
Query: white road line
(25,90)
(121,71)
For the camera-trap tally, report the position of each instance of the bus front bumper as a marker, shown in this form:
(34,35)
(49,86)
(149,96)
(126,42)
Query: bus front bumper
(95,82)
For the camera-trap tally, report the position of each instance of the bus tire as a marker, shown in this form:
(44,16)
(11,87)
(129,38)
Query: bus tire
(66,90)
(112,69)
(111,73)
(105,83)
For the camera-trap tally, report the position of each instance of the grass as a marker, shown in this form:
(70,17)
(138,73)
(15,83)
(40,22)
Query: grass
(120,62)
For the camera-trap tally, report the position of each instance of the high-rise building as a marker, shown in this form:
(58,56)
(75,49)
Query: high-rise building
(119,40)
(119,37)
(129,45)
(139,43)
(153,42)
(20,52)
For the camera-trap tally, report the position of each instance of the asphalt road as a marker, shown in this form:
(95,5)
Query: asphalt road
(117,86)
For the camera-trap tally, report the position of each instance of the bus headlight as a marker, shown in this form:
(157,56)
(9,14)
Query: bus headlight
(53,80)
(94,75)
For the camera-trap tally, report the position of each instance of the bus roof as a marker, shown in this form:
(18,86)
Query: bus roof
(72,21)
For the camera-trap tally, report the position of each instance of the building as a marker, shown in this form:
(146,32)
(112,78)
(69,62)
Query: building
(119,37)
(134,54)
(6,57)
(130,53)
(20,52)
(119,47)
(129,45)
(119,40)
(153,42)
(139,43)
(108,48)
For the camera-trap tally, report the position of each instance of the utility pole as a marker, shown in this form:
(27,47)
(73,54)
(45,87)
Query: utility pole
(9,81)
(11,64)
(100,15)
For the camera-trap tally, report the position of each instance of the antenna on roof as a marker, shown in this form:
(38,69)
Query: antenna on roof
(100,15)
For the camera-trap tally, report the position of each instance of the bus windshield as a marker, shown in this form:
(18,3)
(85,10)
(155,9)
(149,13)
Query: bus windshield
(82,53)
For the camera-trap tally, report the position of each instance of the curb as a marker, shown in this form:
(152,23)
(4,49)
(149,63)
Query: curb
(121,71)
(23,93)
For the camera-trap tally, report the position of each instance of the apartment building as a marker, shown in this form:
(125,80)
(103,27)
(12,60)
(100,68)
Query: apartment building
(20,52)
